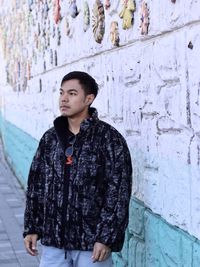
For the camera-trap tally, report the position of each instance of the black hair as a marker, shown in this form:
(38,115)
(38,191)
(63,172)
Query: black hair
(88,82)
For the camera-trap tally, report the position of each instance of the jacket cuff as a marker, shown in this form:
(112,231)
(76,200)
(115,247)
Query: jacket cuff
(31,232)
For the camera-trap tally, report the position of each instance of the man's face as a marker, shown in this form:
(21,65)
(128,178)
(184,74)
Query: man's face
(73,101)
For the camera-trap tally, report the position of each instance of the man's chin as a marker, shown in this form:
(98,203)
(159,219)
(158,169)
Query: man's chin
(64,114)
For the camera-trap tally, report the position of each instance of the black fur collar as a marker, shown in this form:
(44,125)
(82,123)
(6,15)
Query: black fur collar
(61,126)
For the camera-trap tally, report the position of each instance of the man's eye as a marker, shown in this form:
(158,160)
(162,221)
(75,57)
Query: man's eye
(72,93)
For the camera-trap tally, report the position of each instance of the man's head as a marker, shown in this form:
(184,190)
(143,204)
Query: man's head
(77,92)
(88,83)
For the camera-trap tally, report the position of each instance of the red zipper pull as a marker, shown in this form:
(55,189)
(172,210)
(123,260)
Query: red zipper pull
(69,160)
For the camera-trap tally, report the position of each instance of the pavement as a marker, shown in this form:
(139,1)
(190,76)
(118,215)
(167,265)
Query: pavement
(12,202)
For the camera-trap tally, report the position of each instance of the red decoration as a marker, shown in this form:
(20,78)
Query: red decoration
(56,10)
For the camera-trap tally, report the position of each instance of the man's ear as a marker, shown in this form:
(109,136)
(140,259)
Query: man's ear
(90,99)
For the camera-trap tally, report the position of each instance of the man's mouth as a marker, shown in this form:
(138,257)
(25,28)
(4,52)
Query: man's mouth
(64,107)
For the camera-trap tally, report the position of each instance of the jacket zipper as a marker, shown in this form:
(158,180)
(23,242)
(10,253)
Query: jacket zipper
(65,202)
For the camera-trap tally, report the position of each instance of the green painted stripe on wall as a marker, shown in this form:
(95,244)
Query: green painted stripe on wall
(152,242)
(1,124)
(19,149)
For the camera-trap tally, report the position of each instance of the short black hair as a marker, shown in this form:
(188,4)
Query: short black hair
(88,82)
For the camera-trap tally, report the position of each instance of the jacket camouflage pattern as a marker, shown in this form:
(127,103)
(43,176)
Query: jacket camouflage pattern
(74,207)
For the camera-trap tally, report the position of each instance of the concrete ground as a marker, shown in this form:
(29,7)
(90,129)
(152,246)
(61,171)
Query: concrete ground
(12,201)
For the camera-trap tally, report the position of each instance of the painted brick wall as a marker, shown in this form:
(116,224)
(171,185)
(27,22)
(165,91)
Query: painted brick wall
(19,148)
(152,242)
(149,90)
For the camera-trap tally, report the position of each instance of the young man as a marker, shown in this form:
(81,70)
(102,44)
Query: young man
(79,184)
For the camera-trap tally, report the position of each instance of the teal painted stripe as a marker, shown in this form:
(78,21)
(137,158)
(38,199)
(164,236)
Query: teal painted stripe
(19,149)
(152,242)
(1,124)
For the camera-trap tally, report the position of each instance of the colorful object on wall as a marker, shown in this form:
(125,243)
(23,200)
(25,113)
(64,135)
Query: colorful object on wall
(86,16)
(127,13)
(98,21)
(58,36)
(190,45)
(51,56)
(37,23)
(55,58)
(144,18)
(114,33)
(28,70)
(56,10)
(45,10)
(40,85)
(107,4)
(73,10)
(30,2)
(68,29)
(53,31)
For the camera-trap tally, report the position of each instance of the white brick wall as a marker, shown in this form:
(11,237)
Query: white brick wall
(149,90)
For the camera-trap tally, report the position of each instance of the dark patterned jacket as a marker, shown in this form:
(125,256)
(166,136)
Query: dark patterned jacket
(74,207)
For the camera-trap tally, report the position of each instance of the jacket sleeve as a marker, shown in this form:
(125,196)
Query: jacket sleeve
(118,180)
(33,217)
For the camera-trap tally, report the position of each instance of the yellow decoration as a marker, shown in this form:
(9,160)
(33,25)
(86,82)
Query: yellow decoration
(127,13)
(114,33)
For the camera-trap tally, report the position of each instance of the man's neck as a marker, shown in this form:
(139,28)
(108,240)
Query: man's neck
(74,123)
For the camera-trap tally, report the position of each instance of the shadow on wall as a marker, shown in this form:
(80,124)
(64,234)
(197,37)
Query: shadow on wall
(152,242)
(19,148)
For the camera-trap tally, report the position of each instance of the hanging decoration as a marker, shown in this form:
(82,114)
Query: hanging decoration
(53,31)
(44,66)
(30,2)
(58,37)
(45,9)
(190,45)
(51,56)
(28,70)
(98,21)
(55,58)
(56,11)
(68,29)
(144,18)
(40,85)
(73,10)
(127,14)
(114,33)
(86,16)
(107,4)
(34,27)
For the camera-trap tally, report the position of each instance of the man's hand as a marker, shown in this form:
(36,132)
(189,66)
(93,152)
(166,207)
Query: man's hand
(30,242)
(100,252)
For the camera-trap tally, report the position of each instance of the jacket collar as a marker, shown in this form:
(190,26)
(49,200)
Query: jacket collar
(87,122)
(61,126)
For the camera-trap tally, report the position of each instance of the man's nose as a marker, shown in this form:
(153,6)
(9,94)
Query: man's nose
(64,98)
